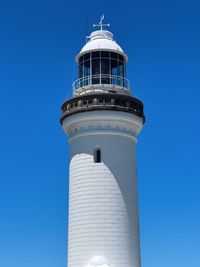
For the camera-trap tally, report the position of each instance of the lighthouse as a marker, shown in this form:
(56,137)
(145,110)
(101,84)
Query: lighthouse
(102,121)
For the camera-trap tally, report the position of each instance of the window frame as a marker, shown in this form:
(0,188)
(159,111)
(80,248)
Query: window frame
(97,155)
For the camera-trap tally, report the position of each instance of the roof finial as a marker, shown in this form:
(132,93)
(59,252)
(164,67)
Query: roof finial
(101,25)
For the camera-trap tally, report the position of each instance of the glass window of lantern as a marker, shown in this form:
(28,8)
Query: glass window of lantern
(96,71)
(121,58)
(121,74)
(105,71)
(114,71)
(81,70)
(95,54)
(102,67)
(87,56)
(121,69)
(80,59)
(86,72)
(114,55)
(104,54)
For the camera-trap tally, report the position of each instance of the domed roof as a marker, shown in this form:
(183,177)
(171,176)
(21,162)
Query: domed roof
(101,40)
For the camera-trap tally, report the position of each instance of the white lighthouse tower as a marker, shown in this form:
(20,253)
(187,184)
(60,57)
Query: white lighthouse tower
(102,120)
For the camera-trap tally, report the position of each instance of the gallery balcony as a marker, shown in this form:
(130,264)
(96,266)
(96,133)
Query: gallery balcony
(102,83)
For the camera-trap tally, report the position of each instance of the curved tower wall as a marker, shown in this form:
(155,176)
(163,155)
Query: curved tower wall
(103,208)
(102,120)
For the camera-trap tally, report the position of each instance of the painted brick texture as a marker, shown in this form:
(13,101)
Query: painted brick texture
(103,208)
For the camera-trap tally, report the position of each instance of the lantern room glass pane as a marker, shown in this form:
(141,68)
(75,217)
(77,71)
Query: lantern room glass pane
(80,59)
(114,71)
(114,67)
(121,58)
(121,74)
(87,56)
(80,71)
(80,74)
(105,54)
(95,54)
(105,66)
(95,66)
(121,69)
(105,71)
(95,71)
(86,68)
(114,55)
(86,72)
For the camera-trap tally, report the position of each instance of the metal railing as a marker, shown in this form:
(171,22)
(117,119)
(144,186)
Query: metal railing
(100,79)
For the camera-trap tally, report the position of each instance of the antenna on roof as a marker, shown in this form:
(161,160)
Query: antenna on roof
(101,25)
(86,26)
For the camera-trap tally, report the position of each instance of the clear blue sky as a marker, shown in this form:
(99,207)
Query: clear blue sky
(38,43)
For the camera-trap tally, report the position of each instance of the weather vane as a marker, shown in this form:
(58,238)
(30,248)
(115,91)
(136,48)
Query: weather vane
(101,25)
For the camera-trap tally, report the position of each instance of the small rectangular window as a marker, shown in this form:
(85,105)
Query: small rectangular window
(97,155)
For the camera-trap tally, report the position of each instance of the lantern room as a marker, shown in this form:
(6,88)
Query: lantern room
(101,66)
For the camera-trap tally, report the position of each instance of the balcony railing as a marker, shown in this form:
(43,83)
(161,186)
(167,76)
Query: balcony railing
(102,79)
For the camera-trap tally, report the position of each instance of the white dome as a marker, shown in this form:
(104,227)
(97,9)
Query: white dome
(101,44)
(101,40)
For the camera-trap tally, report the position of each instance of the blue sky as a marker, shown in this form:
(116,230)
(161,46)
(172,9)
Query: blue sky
(38,43)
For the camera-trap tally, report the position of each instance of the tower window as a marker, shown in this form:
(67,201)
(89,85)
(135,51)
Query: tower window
(97,155)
